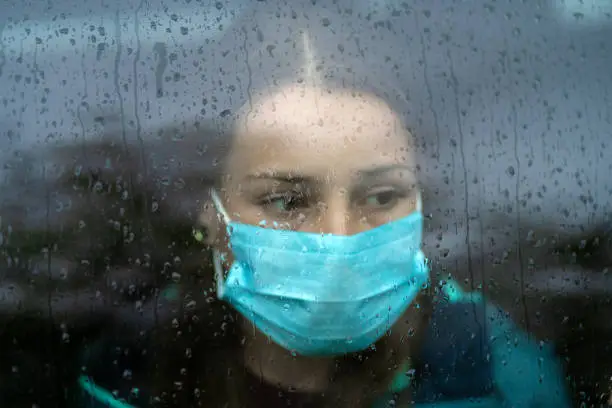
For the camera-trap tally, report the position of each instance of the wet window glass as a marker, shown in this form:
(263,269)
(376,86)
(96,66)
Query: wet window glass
(305,203)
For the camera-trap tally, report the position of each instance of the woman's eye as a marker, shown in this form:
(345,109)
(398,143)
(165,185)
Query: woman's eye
(284,202)
(381,199)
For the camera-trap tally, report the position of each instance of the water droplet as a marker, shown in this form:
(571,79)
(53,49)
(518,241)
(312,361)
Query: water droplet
(179,184)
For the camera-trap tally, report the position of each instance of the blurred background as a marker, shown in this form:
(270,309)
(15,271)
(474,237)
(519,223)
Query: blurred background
(516,97)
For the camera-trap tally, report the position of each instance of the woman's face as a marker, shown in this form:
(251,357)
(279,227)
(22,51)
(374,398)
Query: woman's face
(319,161)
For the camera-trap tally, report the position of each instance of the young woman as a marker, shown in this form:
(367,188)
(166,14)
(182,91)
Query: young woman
(322,295)
(315,226)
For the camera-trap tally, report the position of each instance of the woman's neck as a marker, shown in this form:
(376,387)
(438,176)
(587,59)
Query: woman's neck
(277,366)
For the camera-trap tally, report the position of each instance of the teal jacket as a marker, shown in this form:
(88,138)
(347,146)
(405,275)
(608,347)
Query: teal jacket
(524,372)
(504,367)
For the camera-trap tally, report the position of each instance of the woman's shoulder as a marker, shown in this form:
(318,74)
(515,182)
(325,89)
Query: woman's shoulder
(476,347)
(454,361)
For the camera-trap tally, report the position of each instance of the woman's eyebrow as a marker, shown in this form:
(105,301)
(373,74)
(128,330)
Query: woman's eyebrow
(370,173)
(287,177)
(377,171)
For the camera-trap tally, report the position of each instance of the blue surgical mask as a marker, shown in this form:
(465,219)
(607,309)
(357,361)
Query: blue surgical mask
(323,294)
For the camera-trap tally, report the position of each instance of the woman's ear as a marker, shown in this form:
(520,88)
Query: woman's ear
(210,225)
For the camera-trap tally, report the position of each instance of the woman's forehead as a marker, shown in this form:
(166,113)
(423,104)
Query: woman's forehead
(311,130)
(302,106)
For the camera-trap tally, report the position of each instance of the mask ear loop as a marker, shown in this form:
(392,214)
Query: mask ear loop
(421,259)
(217,265)
(218,273)
(219,206)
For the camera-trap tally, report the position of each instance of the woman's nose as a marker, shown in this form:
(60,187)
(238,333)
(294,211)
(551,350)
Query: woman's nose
(334,222)
(335,218)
